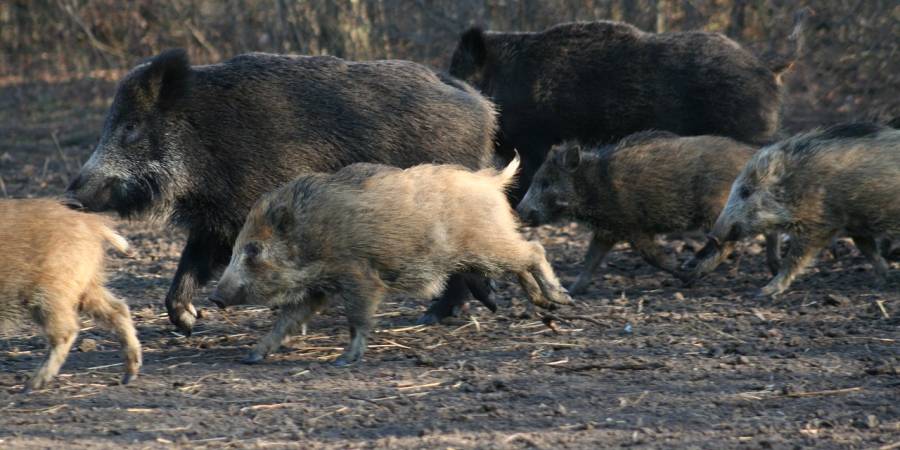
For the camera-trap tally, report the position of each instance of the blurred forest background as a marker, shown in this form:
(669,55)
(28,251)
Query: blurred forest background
(59,59)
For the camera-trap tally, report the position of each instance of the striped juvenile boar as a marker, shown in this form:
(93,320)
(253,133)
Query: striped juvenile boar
(649,183)
(371,230)
(844,179)
(51,268)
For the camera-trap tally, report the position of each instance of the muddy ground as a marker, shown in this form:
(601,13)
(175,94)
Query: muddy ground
(640,362)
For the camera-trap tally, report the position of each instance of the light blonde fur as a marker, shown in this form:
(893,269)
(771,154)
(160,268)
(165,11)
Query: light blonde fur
(51,269)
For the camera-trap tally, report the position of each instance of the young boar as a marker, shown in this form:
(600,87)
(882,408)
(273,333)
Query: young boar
(370,230)
(597,82)
(51,269)
(199,144)
(841,179)
(649,183)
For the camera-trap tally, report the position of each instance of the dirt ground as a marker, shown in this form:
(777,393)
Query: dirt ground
(640,362)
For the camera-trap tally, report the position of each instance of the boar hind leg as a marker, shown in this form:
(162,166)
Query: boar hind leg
(113,314)
(597,250)
(60,324)
(869,247)
(540,268)
(801,251)
(292,318)
(654,255)
(361,299)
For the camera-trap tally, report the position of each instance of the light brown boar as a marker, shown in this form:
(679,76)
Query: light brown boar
(51,268)
(370,230)
(649,183)
(840,180)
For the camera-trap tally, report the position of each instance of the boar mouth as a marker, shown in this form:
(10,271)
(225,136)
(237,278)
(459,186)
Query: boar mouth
(127,197)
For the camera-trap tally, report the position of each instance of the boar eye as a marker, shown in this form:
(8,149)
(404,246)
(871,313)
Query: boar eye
(131,134)
(744,192)
(251,250)
(545,185)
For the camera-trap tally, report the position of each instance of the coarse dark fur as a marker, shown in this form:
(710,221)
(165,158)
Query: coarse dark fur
(410,229)
(843,179)
(199,144)
(597,82)
(649,183)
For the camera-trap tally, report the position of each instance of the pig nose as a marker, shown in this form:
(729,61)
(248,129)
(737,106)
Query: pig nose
(216,298)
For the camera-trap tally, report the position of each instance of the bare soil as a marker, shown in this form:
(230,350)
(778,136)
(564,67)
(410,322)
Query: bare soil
(640,362)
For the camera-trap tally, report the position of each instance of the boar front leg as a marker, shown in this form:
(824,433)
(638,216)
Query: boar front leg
(200,257)
(870,248)
(801,251)
(362,296)
(773,252)
(599,247)
(293,317)
(60,323)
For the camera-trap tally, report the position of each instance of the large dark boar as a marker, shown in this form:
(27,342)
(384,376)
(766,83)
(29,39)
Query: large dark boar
(371,230)
(649,183)
(597,82)
(842,179)
(200,144)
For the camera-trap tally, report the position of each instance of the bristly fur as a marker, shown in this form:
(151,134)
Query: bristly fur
(598,82)
(198,145)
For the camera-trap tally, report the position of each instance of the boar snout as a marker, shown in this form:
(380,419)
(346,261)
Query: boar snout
(216,298)
(89,193)
(530,216)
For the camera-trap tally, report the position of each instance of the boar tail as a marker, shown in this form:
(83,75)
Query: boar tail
(116,240)
(508,174)
(786,63)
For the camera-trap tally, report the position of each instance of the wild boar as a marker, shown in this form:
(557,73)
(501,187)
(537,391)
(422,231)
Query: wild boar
(199,144)
(370,230)
(841,179)
(597,82)
(51,269)
(649,183)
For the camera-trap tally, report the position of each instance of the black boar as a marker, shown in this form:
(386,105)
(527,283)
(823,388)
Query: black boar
(50,270)
(371,230)
(199,145)
(597,82)
(841,179)
(649,183)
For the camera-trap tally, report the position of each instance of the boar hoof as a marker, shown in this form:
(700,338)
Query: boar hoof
(27,390)
(128,378)
(428,318)
(252,358)
(345,361)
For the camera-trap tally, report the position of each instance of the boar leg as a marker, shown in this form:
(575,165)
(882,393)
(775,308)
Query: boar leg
(361,299)
(200,257)
(773,252)
(114,314)
(597,250)
(869,247)
(801,251)
(293,316)
(455,295)
(543,274)
(60,324)
(654,255)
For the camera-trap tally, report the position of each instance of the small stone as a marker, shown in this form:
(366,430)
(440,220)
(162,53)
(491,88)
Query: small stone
(679,296)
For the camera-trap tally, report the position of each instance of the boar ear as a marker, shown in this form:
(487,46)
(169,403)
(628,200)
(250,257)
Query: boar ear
(571,157)
(281,219)
(168,77)
(472,42)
